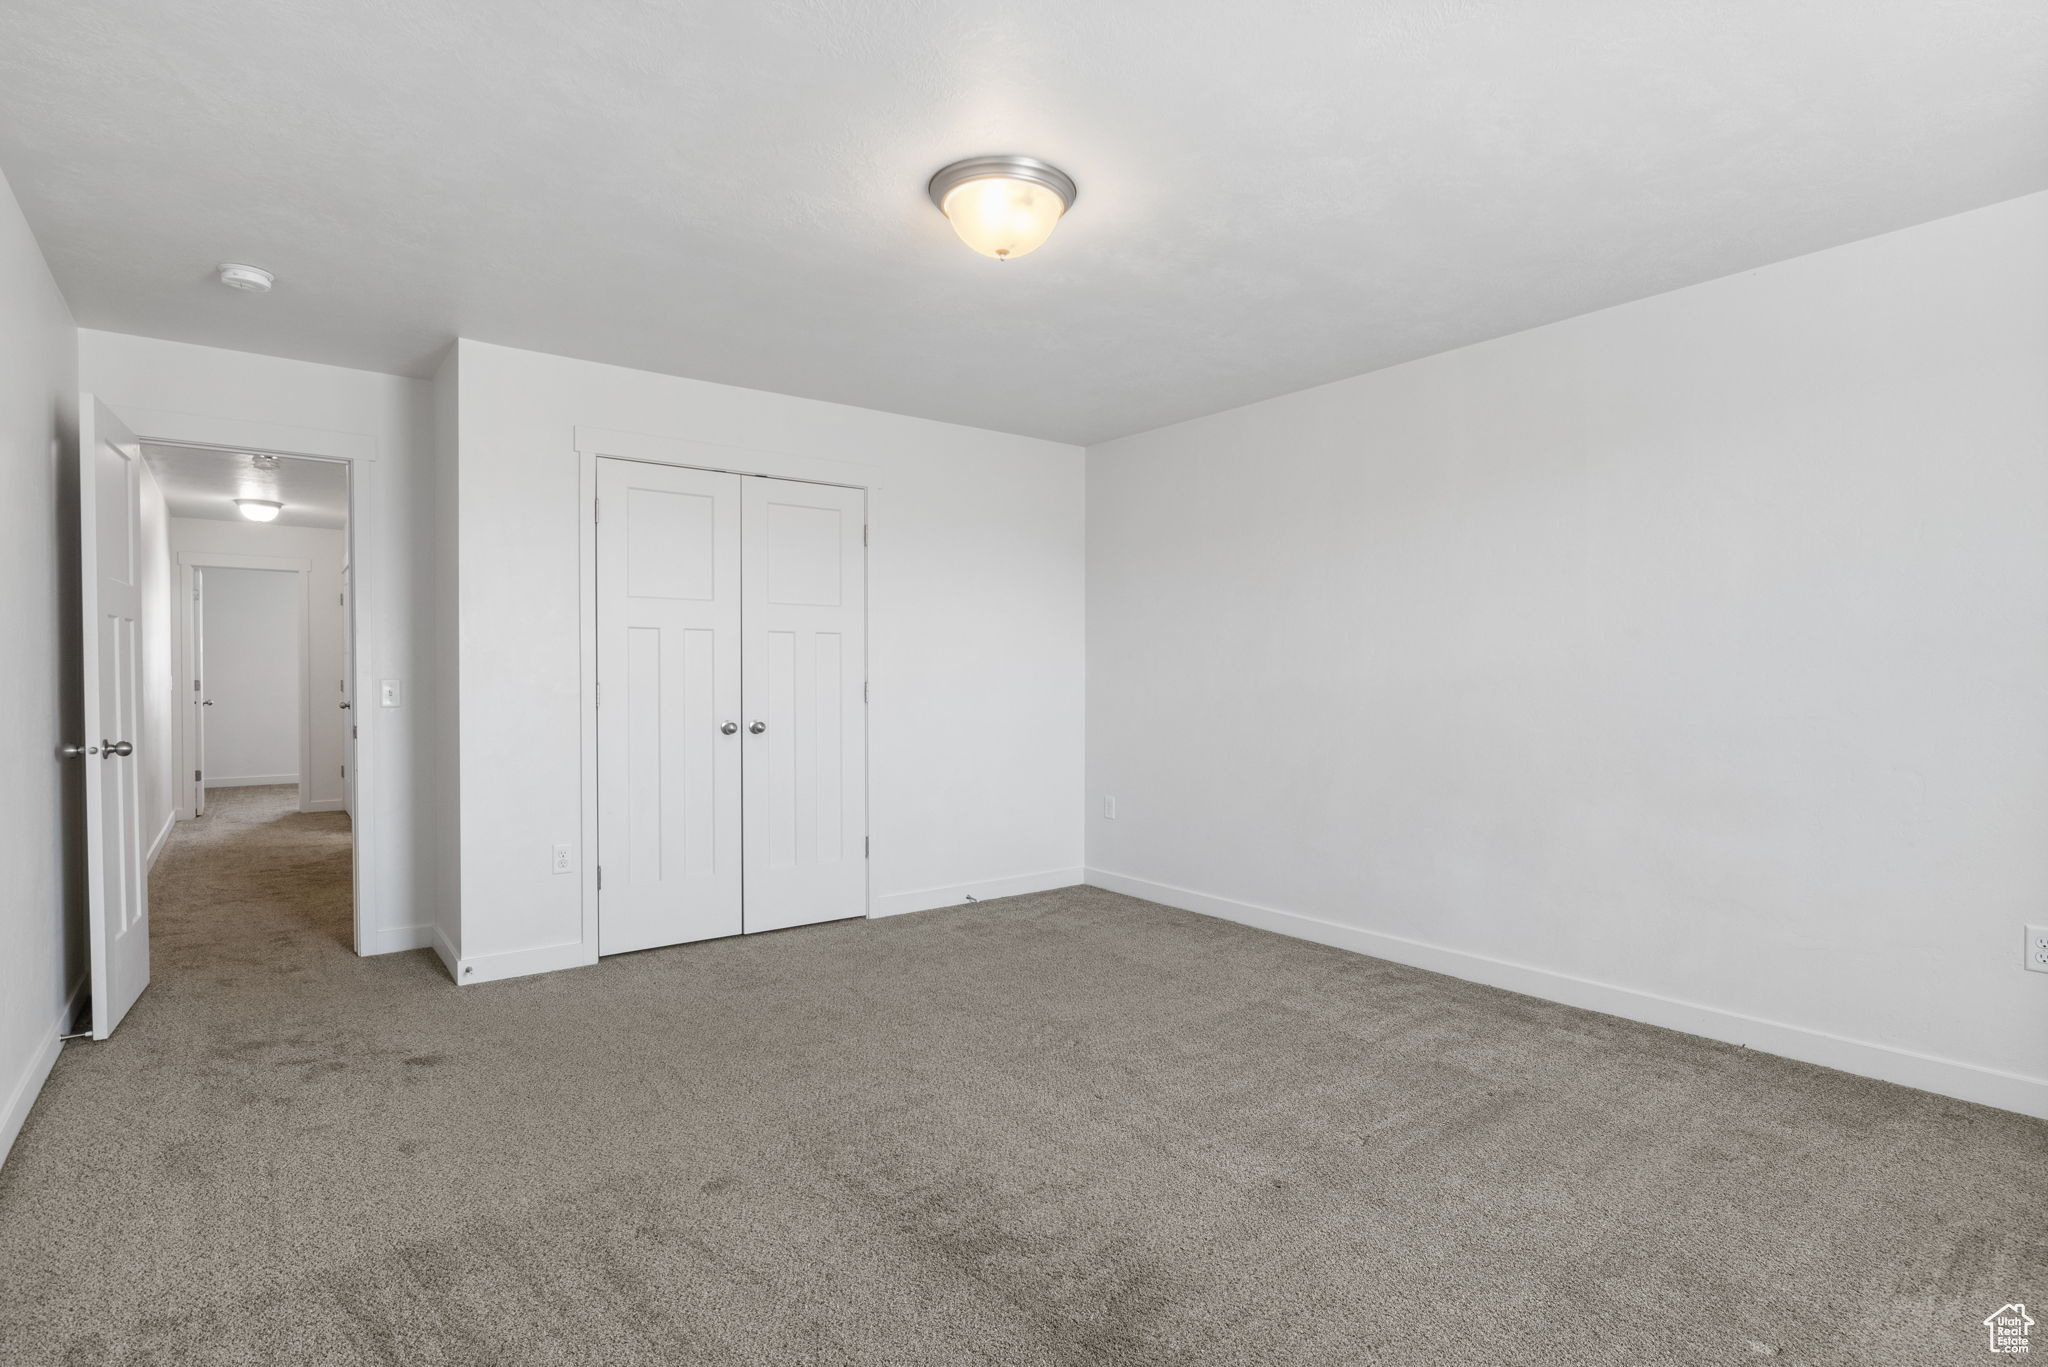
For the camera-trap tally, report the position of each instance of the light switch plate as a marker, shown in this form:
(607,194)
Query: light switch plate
(388,693)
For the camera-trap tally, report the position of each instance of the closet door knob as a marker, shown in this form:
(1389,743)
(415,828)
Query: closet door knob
(758,727)
(729,728)
(111,748)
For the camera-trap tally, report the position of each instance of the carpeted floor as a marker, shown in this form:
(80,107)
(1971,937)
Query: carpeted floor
(1070,1128)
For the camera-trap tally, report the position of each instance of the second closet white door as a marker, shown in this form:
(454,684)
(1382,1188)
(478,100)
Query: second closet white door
(804,590)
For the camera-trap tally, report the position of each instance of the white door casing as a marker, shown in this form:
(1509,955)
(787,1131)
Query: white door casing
(200,702)
(803,616)
(348,668)
(110,546)
(668,668)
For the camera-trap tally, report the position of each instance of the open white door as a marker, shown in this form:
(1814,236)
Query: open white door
(117,888)
(804,606)
(200,702)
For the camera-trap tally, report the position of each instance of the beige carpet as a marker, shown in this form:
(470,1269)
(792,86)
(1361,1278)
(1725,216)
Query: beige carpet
(1070,1128)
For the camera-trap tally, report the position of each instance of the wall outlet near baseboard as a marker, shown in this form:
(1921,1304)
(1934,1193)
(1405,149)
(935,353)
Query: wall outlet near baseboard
(1109,809)
(2037,949)
(565,861)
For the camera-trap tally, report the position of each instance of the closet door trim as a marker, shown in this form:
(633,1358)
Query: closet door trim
(591,443)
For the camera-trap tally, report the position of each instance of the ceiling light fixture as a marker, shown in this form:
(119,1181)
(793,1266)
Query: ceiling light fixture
(254,279)
(259,509)
(1004,207)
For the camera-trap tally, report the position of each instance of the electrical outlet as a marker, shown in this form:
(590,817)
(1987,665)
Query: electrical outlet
(564,861)
(1109,809)
(2037,949)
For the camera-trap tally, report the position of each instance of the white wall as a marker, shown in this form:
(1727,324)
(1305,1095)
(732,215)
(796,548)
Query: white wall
(975,638)
(1687,660)
(267,400)
(251,626)
(325,551)
(42,949)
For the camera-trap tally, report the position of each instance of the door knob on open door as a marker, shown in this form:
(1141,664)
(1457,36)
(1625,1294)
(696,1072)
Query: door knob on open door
(729,728)
(758,727)
(111,748)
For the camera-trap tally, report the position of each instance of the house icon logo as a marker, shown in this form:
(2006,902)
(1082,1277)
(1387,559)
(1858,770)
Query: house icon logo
(2008,1327)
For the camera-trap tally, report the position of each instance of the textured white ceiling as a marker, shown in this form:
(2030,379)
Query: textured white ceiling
(198,482)
(1272,195)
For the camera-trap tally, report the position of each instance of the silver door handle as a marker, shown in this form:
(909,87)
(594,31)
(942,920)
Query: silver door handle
(78,751)
(207,703)
(111,748)
(344,707)
(758,727)
(729,728)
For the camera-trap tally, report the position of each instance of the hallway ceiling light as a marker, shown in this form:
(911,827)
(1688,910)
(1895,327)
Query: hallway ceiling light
(259,509)
(1004,207)
(254,279)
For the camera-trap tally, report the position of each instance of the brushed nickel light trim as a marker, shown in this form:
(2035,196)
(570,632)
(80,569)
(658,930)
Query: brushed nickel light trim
(950,178)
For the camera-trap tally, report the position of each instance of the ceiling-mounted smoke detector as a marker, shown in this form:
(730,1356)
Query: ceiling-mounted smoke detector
(254,279)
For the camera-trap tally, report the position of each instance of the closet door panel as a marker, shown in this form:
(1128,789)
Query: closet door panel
(803,620)
(668,629)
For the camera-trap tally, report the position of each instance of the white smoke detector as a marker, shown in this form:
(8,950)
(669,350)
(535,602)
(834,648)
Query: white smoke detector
(251,278)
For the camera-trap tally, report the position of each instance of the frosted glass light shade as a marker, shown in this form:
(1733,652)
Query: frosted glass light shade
(1003,218)
(1003,207)
(259,509)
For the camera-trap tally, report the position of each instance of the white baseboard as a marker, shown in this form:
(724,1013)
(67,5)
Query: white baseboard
(22,1099)
(394,939)
(1928,1072)
(326,804)
(518,963)
(952,895)
(255,781)
(163,837)
(445,951)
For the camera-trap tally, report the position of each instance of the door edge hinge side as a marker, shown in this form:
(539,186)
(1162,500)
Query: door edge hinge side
(863,534)
(867,846)
(593,509)
(600,878)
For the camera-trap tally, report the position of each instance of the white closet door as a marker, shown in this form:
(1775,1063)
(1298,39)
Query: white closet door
(805,592)
(668,675)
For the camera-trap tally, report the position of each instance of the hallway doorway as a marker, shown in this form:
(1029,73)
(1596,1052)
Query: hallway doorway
(254,695)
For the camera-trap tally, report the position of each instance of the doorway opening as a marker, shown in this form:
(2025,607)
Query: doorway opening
(255,698)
